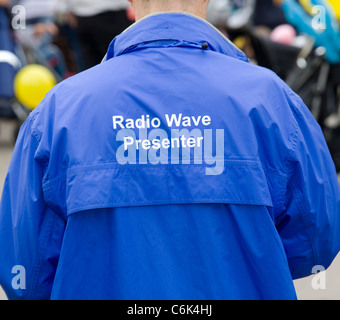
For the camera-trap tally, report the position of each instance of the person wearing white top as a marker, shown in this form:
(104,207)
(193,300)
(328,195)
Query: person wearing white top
(87,8)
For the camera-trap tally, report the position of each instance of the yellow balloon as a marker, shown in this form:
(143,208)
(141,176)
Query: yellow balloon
(32,83)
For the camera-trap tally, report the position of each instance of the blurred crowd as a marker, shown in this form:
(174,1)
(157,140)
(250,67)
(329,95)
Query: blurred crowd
(68,35)
(283,21)
(73,35)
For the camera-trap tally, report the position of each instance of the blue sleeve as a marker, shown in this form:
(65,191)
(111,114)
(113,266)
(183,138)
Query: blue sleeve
(30,233)
(309,225)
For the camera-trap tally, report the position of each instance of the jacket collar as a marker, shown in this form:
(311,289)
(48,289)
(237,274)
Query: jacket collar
(172,29)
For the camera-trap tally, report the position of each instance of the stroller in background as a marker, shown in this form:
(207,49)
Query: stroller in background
(307,71)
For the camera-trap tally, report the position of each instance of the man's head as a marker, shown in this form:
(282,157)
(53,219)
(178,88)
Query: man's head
(145,7)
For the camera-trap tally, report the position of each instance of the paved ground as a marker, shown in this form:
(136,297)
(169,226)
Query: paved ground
(304,287)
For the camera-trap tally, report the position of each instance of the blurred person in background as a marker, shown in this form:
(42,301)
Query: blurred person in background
(267,14)
(325,31)
(38,35)
(96,24)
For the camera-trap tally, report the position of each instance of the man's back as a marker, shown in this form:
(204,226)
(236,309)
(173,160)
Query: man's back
(179,171)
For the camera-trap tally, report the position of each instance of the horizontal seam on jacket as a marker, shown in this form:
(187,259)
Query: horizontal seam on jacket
(94,205)
(107,166)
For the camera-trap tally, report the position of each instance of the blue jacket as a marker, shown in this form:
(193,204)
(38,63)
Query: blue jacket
(174,170)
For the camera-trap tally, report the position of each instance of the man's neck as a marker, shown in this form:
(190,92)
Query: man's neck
(143,9)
